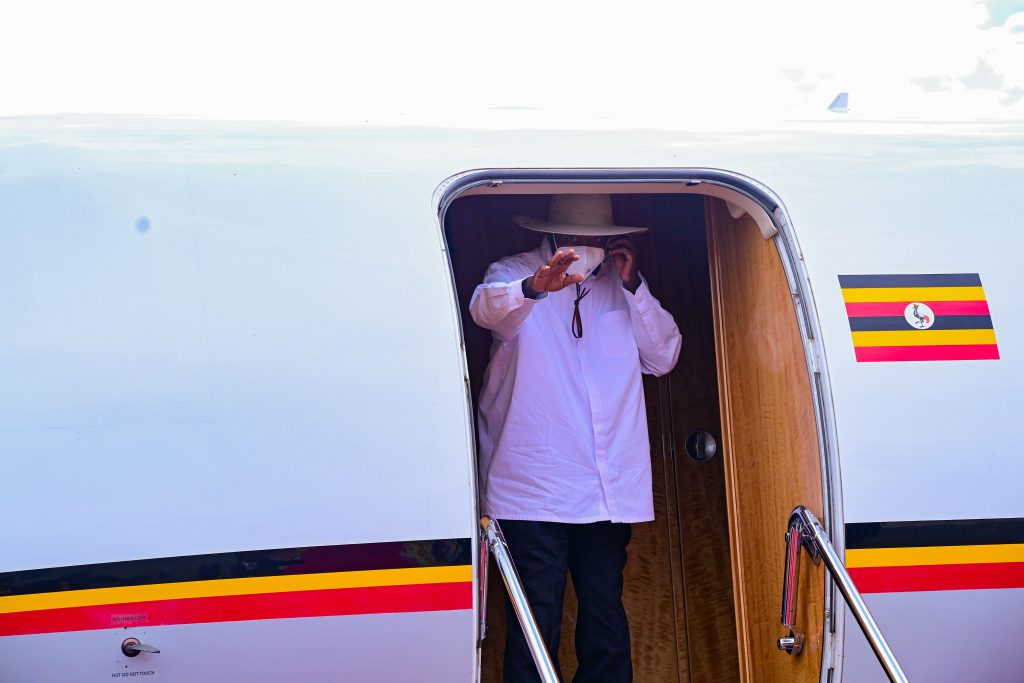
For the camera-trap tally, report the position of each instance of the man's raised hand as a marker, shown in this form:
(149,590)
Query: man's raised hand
(552,277)
(624,252)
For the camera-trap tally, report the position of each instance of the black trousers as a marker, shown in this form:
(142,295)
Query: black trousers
(596,555)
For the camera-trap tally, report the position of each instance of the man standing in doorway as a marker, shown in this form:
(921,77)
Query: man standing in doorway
(564,454)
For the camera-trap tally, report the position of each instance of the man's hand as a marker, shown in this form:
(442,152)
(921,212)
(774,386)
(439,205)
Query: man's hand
(624,252)
(552,277)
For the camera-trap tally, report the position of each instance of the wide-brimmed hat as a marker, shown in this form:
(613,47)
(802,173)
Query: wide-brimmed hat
(588,215)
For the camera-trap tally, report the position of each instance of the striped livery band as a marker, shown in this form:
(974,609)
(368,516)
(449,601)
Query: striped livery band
(919,317)
(370,578)
(968,554)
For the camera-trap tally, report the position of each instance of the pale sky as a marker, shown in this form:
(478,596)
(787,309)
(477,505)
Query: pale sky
(515,63)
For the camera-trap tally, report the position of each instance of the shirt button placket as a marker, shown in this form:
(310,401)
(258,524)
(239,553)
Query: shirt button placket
(600,426)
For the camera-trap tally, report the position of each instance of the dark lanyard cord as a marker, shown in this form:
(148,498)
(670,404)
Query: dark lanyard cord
(577,321)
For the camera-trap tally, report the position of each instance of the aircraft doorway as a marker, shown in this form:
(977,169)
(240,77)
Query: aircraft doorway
(703,580)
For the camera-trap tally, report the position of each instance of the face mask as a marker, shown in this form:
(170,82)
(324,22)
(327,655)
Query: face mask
(590,259)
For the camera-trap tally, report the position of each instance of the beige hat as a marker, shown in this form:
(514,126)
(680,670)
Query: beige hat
(588,215)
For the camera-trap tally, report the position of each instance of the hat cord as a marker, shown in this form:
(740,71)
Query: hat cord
(577,321)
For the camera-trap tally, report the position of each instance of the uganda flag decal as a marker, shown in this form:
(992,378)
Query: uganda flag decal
(919,317)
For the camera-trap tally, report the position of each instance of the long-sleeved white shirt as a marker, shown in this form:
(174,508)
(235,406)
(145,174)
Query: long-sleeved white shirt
(563,426)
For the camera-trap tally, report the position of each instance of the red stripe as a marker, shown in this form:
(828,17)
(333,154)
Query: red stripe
(873,354)
(872,308)
(942,577)
(431,597)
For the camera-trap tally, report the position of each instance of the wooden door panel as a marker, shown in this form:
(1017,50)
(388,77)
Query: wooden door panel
(770,443)
(676,266)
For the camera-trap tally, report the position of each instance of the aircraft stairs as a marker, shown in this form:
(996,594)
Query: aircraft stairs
(803,531)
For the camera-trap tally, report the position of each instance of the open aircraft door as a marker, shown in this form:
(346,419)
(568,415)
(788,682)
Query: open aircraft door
(770,448)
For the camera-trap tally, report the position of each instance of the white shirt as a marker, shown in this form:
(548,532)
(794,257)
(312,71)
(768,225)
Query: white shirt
(563,425)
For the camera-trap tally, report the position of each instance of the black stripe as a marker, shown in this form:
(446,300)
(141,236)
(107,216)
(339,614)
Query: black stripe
(898,322)
(941,280)
(933,533)
(314,560)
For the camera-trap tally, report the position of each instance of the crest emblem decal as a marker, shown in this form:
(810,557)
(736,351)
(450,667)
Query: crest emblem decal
(919,316)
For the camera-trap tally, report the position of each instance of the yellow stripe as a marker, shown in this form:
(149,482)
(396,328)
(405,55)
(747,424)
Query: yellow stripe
(924,337)
(909,294)
(246,586)
(947,554)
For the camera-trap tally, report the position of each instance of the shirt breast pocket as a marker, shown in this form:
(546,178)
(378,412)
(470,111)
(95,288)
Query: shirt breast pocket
(616,334)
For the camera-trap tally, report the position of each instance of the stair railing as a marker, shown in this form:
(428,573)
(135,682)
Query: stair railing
(805,531)
(495,542)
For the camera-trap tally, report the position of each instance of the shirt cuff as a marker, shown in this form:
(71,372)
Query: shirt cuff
(642,287)
(538,295)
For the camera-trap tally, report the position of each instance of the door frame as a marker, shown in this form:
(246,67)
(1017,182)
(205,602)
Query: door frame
(744,194)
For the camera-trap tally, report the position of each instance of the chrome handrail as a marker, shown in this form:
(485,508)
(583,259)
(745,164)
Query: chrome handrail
(495,542)
(804,530)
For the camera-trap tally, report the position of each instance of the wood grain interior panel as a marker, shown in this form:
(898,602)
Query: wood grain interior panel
(692,397)
(770,443)
(687,401)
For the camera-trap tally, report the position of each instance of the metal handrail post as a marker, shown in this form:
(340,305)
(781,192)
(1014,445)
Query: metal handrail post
(805,530)
(846,586)
(496,544)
